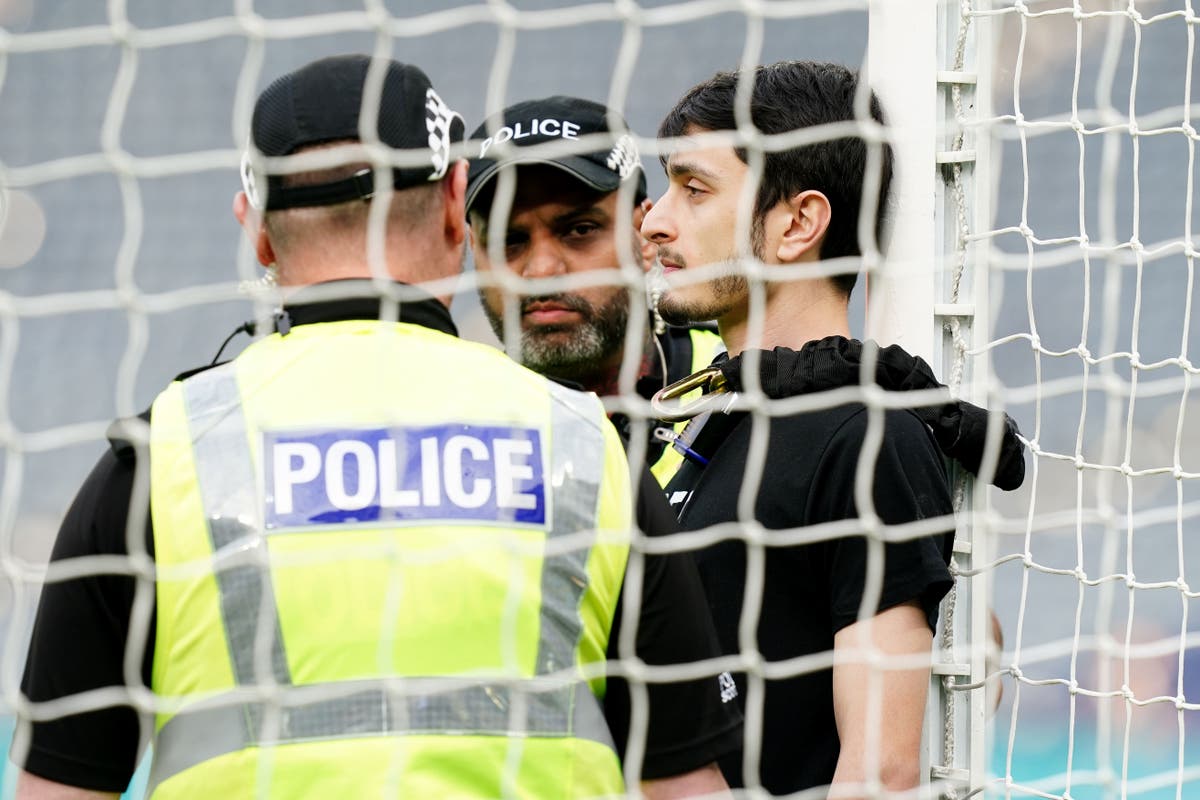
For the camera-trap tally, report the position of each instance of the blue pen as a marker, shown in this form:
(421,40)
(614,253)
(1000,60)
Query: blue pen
(679,443)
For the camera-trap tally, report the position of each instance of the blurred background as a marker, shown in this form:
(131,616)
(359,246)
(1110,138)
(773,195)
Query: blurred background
(1091,286)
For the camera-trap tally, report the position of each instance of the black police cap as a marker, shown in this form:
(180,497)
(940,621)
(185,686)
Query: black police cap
(554,119)
(322,102)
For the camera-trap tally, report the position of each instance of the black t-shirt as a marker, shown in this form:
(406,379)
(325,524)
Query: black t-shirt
(812,589)
(82,631)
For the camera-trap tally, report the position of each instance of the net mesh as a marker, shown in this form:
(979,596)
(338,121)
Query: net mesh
(1090,254)
(1067,157)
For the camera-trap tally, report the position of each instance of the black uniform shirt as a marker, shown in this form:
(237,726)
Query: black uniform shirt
(82,627)
(811,590)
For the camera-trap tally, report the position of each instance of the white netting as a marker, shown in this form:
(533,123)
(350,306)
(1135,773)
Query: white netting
(1090,255)
(121,129)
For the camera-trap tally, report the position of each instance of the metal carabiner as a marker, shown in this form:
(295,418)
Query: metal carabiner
(667,402)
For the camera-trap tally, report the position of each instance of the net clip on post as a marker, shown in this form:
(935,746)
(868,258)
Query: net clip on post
(669,404)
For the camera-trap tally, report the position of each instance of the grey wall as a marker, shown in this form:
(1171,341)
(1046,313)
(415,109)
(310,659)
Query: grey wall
(53,105)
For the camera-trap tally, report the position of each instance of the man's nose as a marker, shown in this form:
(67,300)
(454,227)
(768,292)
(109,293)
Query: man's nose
(658,226)
(545,257)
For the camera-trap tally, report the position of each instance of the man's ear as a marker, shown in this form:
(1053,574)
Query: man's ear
(454,185)
(808,219)
(250,218)
(648,249)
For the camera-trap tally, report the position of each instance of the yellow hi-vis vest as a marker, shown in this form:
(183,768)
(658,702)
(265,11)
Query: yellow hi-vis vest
(386,559)
(705,347)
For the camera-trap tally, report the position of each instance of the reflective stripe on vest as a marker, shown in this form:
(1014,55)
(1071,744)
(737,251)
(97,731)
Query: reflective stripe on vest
(544,706)
(228,491)
(416,706)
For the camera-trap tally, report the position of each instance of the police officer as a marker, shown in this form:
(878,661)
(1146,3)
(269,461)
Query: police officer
(568,217)
(365,584)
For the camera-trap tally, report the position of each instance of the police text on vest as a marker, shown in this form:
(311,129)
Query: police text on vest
(449,472)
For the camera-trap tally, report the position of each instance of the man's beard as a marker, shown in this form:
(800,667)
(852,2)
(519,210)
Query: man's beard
(723,290)
(570,351)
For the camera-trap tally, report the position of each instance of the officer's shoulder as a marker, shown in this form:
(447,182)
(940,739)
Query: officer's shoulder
(566,384)
(187,373)
(125,433)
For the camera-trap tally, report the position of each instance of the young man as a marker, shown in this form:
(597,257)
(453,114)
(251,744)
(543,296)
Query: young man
(362,589)
(835,574)
(567,219)
(566,224)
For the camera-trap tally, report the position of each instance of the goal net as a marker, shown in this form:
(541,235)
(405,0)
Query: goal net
(1042,261)
(1068,164)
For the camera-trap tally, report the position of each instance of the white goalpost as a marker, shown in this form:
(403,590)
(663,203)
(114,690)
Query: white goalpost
(1061,225)
(924,60)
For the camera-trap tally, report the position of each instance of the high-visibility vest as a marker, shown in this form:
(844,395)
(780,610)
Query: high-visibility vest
(387,565)
(706,345)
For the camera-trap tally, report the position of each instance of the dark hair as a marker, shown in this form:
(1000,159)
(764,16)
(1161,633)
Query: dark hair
(788,96)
